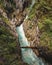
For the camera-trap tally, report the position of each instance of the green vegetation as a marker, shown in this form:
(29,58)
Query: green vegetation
(7,45)
(41,13)
(5,20)
(46,33)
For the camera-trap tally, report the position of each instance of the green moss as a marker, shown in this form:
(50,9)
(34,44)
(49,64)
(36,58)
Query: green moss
(46,33)
(5,20)
(40,25)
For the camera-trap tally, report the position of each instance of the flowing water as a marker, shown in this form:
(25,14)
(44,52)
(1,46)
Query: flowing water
(30,8)
(28,55)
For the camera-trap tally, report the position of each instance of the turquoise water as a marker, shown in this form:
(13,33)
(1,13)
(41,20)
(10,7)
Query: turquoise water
(28,55)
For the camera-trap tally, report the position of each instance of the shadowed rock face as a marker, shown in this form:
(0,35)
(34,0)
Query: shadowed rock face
(18,4)
(45,53)
(16,9)
(22,4)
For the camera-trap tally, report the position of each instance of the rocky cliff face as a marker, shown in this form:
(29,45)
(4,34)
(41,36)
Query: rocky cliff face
(15,10)
(42,49)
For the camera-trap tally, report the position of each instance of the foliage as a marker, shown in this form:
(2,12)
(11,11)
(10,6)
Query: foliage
(42,11)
